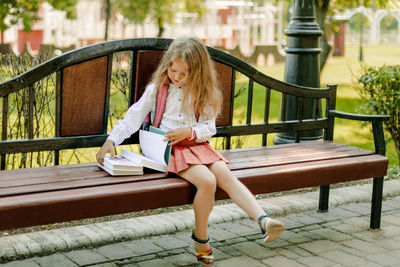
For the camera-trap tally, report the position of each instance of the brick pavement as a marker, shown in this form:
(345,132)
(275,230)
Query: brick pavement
(340,237)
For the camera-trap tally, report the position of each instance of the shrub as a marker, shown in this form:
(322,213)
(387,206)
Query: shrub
(380,88)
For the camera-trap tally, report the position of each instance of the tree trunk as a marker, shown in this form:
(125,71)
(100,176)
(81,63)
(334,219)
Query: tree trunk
(321,11)
(108,14)
(160,27)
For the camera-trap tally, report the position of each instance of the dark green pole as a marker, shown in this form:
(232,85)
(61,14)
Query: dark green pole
(301,68)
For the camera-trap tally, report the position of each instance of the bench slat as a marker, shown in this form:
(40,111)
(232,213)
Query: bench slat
(119,198)
(77,176)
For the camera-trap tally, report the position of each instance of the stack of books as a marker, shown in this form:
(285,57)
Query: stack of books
(120,166)
(156,152)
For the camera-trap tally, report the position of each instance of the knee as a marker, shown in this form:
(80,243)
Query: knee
(208,184)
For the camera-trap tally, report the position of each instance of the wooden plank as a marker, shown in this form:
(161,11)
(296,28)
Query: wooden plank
(113,199)
(225,77)
(88,175)
(82,85)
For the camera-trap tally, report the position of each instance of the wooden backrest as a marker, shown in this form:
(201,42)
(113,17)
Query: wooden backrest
(84,89)
(147,62)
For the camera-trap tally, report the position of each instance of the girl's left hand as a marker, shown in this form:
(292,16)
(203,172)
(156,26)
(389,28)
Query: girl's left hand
(177,135)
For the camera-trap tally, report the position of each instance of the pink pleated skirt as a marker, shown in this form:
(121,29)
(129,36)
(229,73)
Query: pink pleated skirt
(187,153)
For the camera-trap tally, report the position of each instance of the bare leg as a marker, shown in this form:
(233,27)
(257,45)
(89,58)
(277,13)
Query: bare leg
(203,203)
(242,196)
(237,191)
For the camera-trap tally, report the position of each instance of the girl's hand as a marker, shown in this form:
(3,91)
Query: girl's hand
(177,135)
(108,147)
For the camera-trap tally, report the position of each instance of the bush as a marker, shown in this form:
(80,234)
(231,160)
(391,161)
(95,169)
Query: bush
(380,88)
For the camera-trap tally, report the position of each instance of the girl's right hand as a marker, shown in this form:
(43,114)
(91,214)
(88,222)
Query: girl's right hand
(107,148)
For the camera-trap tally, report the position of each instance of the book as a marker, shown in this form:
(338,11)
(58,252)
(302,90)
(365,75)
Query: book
(156,150)
(120,166)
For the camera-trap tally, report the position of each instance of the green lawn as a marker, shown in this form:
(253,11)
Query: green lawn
(344,72)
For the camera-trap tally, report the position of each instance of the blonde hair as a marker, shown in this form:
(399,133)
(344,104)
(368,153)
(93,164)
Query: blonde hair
(201,89)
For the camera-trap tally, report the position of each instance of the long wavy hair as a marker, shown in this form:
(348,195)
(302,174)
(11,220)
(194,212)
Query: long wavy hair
(201,91)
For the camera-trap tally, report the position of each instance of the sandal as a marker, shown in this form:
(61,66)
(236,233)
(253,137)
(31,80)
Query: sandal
(272,229)
(203,256)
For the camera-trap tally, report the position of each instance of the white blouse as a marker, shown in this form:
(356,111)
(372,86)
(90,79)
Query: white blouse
(172,118)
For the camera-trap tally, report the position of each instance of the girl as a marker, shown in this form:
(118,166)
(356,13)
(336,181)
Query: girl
(192,105)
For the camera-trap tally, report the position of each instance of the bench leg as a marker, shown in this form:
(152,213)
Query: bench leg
(376,203)
(323,198)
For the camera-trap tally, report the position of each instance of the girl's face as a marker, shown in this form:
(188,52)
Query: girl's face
(177,72)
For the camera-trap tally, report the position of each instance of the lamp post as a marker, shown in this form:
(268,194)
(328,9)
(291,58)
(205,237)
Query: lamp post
(301,67)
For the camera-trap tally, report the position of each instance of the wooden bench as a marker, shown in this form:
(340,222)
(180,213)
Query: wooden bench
(60,193)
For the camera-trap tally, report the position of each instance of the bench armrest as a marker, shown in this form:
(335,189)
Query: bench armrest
(358,117)
(377,128)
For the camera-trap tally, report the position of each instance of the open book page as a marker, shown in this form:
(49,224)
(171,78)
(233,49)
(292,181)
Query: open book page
(144,161)
(153,146)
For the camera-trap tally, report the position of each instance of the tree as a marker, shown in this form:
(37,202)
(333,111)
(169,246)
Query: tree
(161,11)
(325,9)
(25,11)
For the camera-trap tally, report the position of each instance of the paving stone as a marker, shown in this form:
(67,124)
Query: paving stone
(58,260)
(21,263)
(320,246)
(275,244)
(14,245)
(391,219)
(33,246)
(142,246)
(184,259)
(156,263)
(294,238)
(330,234)
(290,222)
(360,208)
(85,257)
(384,259)
(306,218)
(286,253)
(7,253)
(141,258)
(235,240)
(168,242)
(239,262)
(298,250)
(219,234)
(230,250)
(388,244)
(394,253)
(73,238)
(107,264)
(354,252)
(359,223)
(334,214)
(310,227)
(115,252)
(343,258)
(315,261)
(254,250)
(238,229)
(391,231)
(171,252)
(280,261)
(363,246)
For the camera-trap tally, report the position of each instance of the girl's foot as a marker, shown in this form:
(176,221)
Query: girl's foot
(270,228)
(204,253)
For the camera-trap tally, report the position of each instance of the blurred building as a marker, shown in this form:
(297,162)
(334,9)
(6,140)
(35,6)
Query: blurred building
(226,23)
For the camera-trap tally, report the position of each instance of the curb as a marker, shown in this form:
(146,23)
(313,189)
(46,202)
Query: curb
(71,238)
